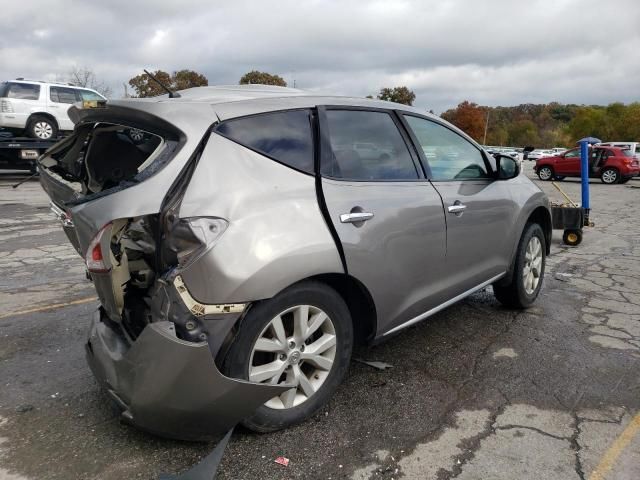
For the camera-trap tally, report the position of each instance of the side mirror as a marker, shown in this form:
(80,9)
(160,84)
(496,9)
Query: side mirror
(508,167)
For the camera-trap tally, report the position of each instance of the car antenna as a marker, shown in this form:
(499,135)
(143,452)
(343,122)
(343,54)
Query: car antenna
(171,93)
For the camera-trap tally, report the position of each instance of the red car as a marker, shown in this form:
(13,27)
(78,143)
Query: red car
(610,164)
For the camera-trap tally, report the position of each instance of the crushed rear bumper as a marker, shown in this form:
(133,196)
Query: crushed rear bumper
(168,386)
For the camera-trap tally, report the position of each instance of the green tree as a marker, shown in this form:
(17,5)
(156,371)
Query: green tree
(144,86)
(183,79)
(523,133)
(262,78)
(397,94)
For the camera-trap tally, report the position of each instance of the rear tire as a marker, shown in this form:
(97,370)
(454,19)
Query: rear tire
(245,358)
(42,128)
(527,270)
(610,176)
(545,173)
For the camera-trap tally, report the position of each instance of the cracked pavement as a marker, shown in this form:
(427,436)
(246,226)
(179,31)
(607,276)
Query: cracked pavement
(476,392)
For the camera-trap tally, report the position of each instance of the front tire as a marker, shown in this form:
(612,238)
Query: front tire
(610,176)
(528,270)
(302,336)
(42,128)
(545,173)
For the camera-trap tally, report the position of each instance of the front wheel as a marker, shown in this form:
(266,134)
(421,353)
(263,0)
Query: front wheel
(545,173)
(610,176)
(528,270)
(302,337)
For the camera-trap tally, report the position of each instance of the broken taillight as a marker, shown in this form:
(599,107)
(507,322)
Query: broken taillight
(94,257)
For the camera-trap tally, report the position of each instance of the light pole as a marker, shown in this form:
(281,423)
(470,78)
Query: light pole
(486,126)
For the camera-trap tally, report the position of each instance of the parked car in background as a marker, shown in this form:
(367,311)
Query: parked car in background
(610,164)
(39,109)
(242,247)
(536,154)
(558,150)
(634,147)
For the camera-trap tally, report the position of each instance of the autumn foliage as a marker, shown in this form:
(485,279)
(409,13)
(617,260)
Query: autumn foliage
(547,125)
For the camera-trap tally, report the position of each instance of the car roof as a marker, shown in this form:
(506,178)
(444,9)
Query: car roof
(55,84)
(229,101)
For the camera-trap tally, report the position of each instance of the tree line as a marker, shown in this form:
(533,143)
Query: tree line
(540,125)
(546,125)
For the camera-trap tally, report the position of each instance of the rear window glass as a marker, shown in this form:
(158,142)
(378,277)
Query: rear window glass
(283,136)
(63,95)
(627,152)
(23,91)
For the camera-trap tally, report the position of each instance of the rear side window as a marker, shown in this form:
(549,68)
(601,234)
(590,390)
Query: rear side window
(22,91)
(63,95)
(283,136)
(89,95)
(366,146)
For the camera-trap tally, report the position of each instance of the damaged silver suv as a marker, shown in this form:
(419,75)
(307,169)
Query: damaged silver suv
(246,237)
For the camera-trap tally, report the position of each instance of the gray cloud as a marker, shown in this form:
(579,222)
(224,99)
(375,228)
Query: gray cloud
(496,53)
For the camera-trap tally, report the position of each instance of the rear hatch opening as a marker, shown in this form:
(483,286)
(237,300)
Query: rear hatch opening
(99,157)
(132,261)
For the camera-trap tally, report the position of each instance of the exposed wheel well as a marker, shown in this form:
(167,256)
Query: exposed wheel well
(359,302)
(542,217)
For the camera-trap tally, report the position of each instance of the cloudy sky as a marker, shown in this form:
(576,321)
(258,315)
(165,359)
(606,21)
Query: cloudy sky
(492,52)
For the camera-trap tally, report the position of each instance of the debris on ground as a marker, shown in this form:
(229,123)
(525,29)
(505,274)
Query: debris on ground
(284,461)
(374,364)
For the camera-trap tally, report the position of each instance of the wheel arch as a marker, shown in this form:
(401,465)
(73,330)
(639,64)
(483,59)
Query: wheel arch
(48,116)
(540,215)
(359,302)
(355,295)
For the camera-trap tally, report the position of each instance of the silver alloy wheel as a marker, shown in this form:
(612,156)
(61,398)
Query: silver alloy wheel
(43,130)
(609,176)
(545,173)
(532,265)
(297,347)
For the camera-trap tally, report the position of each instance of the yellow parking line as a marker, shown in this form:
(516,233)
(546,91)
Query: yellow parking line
(616,448)
(49,307)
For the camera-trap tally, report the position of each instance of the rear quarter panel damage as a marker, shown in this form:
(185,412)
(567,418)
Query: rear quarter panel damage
(276,235)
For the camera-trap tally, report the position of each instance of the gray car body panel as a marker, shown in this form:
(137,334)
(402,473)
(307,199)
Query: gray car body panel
(276,237)
(399,254)
(168,386)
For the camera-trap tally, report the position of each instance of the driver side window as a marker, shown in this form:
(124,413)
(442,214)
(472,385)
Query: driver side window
(450,156)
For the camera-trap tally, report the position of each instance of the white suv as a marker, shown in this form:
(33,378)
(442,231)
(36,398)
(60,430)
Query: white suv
(40,108)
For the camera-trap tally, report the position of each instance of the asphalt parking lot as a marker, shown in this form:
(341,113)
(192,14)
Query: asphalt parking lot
(475,392)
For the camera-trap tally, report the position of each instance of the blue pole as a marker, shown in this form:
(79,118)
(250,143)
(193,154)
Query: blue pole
(584,175)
